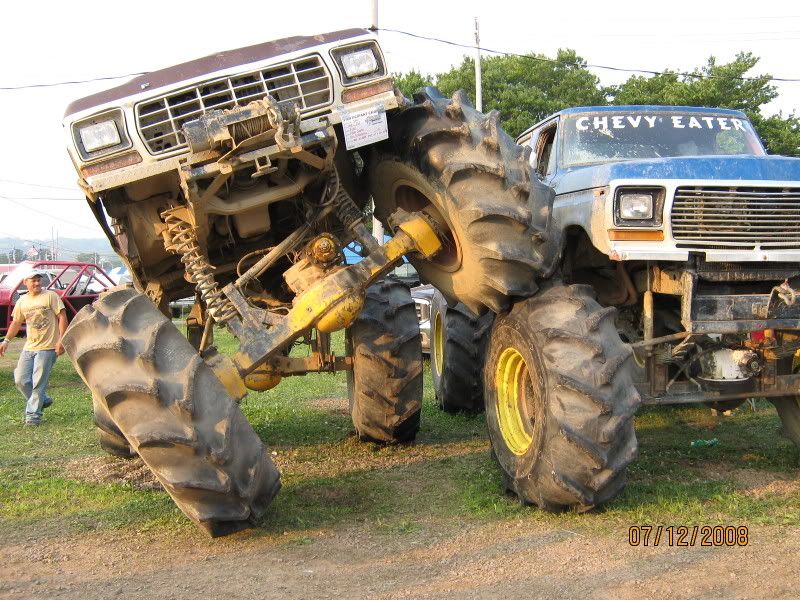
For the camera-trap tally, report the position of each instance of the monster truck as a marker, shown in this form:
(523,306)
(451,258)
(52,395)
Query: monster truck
(679,236)
(239,178)
(688,235)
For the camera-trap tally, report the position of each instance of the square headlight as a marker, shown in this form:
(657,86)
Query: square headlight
(636,206)
(361,62)
(639,206)
(98,136)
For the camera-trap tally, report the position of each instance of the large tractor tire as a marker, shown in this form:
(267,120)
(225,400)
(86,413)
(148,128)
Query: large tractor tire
(385,383)
(110,437)
(788,408)
(458,347)
(560,400)
(445,158)
(172,410)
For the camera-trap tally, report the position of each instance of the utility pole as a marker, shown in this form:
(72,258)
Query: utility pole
(478,85)
(377,226)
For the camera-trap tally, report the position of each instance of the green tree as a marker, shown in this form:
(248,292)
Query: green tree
(4,258)
(90,257)
(410,82)
(526,88)
(725,86)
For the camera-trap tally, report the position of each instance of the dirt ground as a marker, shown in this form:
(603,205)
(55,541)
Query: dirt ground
(507,560)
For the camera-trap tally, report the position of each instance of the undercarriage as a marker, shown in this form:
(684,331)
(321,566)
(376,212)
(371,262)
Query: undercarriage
(701,331)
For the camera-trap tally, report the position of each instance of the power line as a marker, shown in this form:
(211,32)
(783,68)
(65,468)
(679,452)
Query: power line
(470,47)
(60,248)
(43,85)
(39,185)
(60,220)
(42,198)
(592,66)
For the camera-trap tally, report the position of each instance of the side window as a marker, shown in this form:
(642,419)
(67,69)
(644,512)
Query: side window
(545,151)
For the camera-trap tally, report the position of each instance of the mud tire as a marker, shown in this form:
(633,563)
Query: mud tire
(385,383)
(110,437)
(577,408)
(788,408)
(458,347)
(172,410)
(457,164)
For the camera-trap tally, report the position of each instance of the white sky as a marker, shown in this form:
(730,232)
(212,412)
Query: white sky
(44,42)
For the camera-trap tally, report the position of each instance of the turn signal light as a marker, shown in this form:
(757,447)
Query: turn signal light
(628,235)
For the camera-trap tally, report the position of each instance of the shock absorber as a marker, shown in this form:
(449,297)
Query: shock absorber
(181,238)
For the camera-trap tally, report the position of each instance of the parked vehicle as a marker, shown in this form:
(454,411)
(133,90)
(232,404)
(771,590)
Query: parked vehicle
(422,296)
(77,283)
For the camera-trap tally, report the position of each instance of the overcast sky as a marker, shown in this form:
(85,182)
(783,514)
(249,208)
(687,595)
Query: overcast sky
(44,43)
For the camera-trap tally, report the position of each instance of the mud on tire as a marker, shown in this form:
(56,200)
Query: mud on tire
(458,348)
(385,384)
(459,166)
(108,434)
(560,400)
(788,408)
(172,411)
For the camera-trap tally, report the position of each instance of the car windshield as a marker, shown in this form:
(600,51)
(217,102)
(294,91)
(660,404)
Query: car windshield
(612,136)
(17,274)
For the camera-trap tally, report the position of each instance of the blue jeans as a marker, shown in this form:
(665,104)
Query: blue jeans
(31,376)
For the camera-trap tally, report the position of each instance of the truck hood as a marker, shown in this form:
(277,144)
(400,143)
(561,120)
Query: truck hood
(207,65)
(743,168)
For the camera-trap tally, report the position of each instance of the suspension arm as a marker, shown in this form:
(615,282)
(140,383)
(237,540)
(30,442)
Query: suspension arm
(334,301)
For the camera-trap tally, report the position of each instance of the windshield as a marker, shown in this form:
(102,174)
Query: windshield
(613,136)
(17,274)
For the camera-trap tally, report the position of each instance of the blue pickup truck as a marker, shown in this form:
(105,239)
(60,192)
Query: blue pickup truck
(675,267)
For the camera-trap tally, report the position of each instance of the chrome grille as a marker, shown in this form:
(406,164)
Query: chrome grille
(736,217)
(159,121)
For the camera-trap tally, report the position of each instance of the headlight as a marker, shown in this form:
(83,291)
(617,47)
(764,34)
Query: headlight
(635,206)
(99,136)
(638,206)
(358,63)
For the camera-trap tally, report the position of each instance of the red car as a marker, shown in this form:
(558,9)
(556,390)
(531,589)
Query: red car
(77,283)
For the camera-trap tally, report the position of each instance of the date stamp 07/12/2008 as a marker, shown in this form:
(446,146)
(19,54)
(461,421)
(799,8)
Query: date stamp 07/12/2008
(688,536)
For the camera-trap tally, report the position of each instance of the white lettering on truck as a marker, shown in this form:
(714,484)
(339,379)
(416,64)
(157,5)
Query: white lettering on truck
(601,123)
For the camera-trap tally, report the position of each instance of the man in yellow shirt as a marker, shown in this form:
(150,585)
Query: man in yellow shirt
(46,321)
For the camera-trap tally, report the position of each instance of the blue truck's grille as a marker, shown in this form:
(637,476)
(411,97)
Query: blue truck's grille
(736,217)
(160,120)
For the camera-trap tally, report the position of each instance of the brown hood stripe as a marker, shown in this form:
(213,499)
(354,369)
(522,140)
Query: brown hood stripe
(209,64)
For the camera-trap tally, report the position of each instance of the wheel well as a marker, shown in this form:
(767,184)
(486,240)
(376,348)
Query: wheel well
(582,263)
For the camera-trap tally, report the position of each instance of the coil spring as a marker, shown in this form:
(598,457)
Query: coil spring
(346,209)
(200,272)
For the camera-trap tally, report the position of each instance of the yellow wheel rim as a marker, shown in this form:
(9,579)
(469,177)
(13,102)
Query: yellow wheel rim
(513,385)
(438,344)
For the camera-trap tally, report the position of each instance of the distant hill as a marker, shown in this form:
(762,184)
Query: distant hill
(66,248)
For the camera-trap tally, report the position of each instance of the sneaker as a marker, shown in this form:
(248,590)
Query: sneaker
(48,402)
(32,423)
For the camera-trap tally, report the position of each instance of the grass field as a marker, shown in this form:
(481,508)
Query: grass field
(331,479)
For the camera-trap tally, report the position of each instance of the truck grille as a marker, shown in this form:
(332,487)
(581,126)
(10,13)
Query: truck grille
(159,121)
(736,217)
